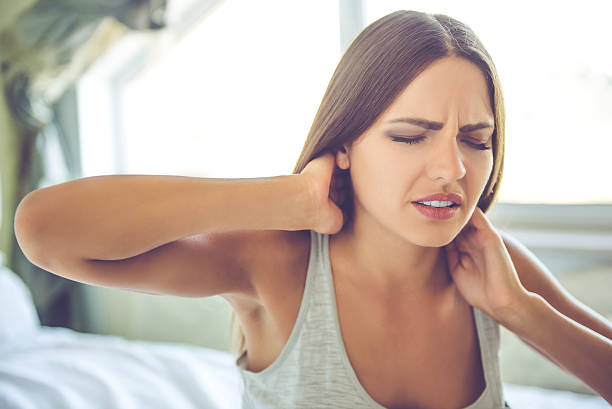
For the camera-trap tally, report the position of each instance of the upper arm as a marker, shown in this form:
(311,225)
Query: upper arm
(537,278)
(196,266)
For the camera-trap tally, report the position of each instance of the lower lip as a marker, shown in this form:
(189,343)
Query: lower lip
(438,213)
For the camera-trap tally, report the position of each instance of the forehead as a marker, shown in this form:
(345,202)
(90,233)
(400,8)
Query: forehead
(449,85)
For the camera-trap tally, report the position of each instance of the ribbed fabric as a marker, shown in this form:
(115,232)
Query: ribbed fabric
(313,369)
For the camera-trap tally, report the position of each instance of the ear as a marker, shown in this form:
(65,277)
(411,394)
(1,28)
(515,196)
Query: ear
(342,157)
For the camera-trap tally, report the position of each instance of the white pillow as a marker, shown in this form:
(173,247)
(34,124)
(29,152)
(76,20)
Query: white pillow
(18,316)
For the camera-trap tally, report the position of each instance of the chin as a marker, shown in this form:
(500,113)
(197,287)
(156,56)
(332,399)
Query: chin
(433,239)
(434,243)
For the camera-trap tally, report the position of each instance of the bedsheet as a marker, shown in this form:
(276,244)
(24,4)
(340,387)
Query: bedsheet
(61,368)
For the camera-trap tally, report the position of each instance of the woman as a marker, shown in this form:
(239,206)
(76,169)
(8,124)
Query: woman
(352,285)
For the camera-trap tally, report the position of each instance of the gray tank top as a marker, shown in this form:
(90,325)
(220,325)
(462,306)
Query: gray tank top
(313,369)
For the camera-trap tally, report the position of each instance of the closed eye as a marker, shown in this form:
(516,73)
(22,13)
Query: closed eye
(479,146)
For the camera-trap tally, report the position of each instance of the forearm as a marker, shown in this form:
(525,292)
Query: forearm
(119,216)
(570,345)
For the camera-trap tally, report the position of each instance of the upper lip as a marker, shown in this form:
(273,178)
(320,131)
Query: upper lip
(453,197)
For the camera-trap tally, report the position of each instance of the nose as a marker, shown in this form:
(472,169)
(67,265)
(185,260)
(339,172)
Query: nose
(446,160)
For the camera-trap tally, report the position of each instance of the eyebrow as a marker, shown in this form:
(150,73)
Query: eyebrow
(436,126)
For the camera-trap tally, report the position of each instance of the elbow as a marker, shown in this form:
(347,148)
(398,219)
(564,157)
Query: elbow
(27,229)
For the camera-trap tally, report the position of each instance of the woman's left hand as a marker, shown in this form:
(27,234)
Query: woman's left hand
(482,268)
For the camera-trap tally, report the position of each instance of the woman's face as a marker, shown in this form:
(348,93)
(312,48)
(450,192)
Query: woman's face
(388,174)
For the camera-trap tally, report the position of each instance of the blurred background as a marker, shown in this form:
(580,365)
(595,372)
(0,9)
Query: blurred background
(229,89)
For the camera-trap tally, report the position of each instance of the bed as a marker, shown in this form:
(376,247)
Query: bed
(51,367)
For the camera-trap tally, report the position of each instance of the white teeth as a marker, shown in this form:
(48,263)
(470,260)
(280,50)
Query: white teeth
(437,203)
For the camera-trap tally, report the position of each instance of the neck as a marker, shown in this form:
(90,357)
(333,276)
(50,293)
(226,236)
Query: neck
(390,266)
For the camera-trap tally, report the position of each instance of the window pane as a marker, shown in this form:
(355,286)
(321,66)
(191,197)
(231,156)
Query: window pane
(556,73)
(237,96)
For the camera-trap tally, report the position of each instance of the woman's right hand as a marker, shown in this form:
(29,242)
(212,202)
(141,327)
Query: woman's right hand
(327,192)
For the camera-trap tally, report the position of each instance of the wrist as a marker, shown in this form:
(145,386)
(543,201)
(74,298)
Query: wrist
(306,210)
(516,314)
(311,213)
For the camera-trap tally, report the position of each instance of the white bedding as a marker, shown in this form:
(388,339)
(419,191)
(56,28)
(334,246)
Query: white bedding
(60,368)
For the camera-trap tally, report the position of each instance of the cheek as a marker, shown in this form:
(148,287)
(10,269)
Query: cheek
(478,171)
(369,181)
(384,184)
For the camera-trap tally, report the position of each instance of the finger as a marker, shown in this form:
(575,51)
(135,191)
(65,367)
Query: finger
(460,243)
(460,250)
(486,230)
(467,235)
(465,250)
(457,258)
(481,221)
(328,158)
(452,256)
(471,249)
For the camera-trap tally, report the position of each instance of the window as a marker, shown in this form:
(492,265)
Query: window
(234,98)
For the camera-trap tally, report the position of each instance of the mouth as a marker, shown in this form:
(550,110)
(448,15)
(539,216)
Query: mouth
(445,198)
(436,213)
(453,205)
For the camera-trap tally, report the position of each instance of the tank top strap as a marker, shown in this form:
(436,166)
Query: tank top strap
(489,339)
(314,315)
(321,303)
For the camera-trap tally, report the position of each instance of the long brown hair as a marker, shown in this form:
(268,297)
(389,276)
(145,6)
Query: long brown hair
(380,62)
